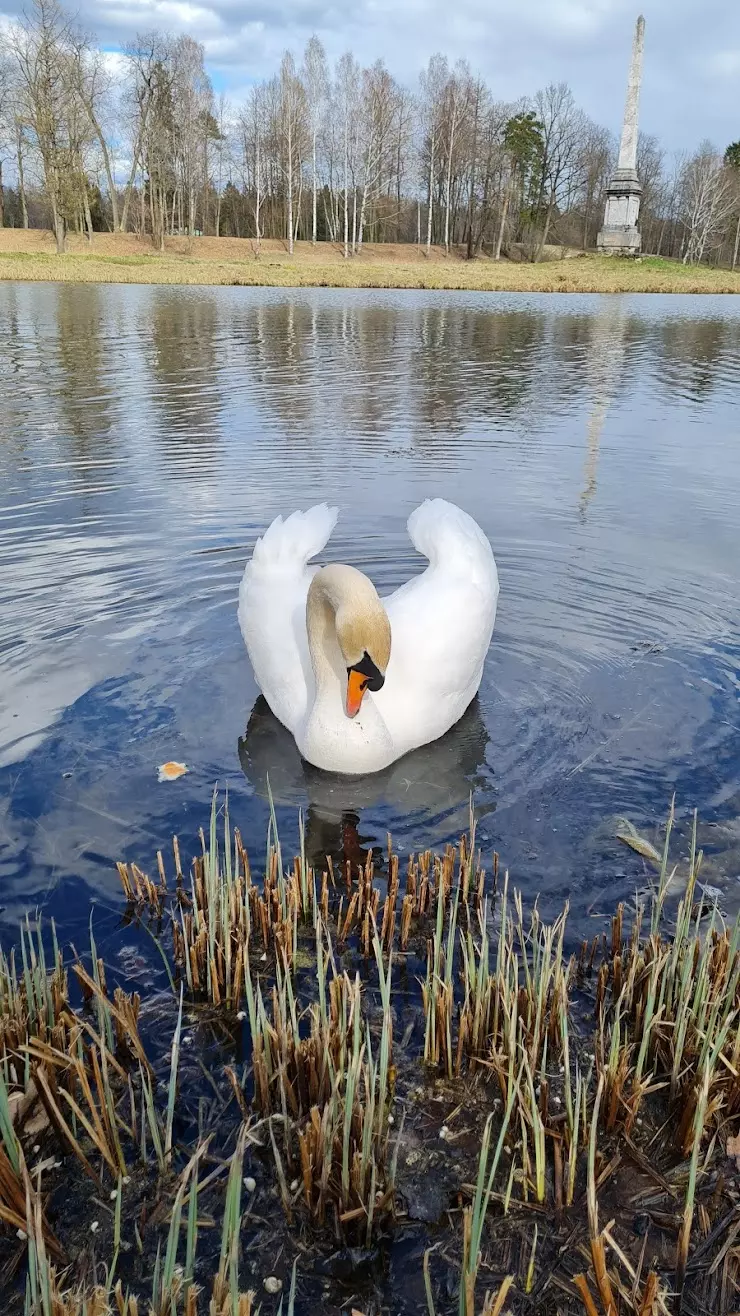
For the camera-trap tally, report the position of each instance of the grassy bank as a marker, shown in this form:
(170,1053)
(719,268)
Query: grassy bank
(350,1054)
(123,258)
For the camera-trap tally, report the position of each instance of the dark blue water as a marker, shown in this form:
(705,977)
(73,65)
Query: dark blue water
(148,435)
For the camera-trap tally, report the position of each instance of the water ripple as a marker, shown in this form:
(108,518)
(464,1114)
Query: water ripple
(148,435)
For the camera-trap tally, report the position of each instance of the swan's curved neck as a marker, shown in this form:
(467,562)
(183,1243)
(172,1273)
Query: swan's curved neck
(335,590)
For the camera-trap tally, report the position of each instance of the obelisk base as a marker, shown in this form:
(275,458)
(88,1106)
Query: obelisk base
(620,235)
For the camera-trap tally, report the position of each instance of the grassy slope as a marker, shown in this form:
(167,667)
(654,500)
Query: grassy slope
(123,258)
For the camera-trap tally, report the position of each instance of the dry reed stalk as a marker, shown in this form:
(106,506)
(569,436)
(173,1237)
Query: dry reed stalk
(581,1284)
(493,1304)
(34,999)
(598,1251)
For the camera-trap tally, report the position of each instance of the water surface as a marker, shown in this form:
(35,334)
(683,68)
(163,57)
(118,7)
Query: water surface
(148,435)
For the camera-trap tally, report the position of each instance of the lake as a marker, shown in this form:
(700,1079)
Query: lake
(148,436)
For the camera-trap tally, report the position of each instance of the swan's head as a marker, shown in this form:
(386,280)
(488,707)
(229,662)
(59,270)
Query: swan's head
(342,598)
(364,636)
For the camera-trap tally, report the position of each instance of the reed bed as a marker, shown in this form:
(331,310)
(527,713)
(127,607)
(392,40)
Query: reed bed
(33,998)
(571,1062)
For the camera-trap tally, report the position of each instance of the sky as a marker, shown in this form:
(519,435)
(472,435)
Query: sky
(691,81)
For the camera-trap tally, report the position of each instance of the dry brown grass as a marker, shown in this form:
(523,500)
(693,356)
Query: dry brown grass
(124,258)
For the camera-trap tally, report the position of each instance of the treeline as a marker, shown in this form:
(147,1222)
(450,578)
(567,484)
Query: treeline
(139,143)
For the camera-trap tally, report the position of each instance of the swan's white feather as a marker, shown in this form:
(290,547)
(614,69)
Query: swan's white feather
(441,626)
(272,608)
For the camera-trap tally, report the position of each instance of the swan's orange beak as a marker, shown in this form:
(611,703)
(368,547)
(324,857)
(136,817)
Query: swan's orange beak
(357,684)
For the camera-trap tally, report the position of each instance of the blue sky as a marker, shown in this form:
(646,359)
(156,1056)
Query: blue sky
(691,84)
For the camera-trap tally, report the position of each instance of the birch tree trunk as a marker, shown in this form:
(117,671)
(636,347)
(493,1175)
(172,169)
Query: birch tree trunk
(354,219)
(290,181)
(429,204)
(448,187)
(346,188)
(298,207)
(737,244)
(21,175)
(502,225)
(313,214)
(363,206)
(258,196)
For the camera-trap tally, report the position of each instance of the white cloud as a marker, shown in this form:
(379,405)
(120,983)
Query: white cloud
(692,53)
(726,63)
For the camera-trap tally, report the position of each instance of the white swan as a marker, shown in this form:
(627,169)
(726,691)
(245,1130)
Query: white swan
(359,680)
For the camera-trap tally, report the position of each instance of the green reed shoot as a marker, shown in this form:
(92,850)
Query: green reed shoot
(474,1217)
(172,1089)
(682,1254)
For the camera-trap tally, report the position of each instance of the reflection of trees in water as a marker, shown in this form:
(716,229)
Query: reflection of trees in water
(437,368)
(361,367)
(468,366)
(314,366)
(365,369)
(14,372)
(429,790)
(186,350)
(695,353)
(84,378)
(56,357)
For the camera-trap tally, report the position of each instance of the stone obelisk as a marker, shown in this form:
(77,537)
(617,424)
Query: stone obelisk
(620,235)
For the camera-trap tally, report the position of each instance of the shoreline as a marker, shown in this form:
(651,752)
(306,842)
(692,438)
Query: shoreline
(29,256)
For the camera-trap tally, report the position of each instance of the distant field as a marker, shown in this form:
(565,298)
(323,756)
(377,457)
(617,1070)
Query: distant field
(123,258)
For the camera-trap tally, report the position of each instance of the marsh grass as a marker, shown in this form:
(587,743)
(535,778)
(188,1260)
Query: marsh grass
(570,1061)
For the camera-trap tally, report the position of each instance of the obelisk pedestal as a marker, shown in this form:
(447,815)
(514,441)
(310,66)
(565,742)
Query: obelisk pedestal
(620,235)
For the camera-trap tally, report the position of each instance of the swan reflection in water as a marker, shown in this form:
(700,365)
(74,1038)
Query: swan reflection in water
(421,799)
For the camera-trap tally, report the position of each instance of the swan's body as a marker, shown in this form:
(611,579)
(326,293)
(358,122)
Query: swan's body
(311,630)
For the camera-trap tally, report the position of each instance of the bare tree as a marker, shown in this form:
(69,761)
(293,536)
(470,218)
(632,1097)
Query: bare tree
(708,201)
(92,85)
(144,57)
(433,81)
(378,111)
(292,140)
(563,130)
(347,79)
(254,138)
(192,123)
(41,45)
(6,119)
(652,175)
(316,82)
(598,155)
(456,98)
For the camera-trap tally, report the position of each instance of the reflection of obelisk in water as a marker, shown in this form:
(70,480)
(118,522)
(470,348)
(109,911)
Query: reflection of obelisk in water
(620,235)
(604,368)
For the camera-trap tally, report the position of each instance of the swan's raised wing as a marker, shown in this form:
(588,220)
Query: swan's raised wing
(441,625)
(272,608)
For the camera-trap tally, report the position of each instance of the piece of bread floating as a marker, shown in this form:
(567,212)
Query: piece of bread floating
(171,771)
